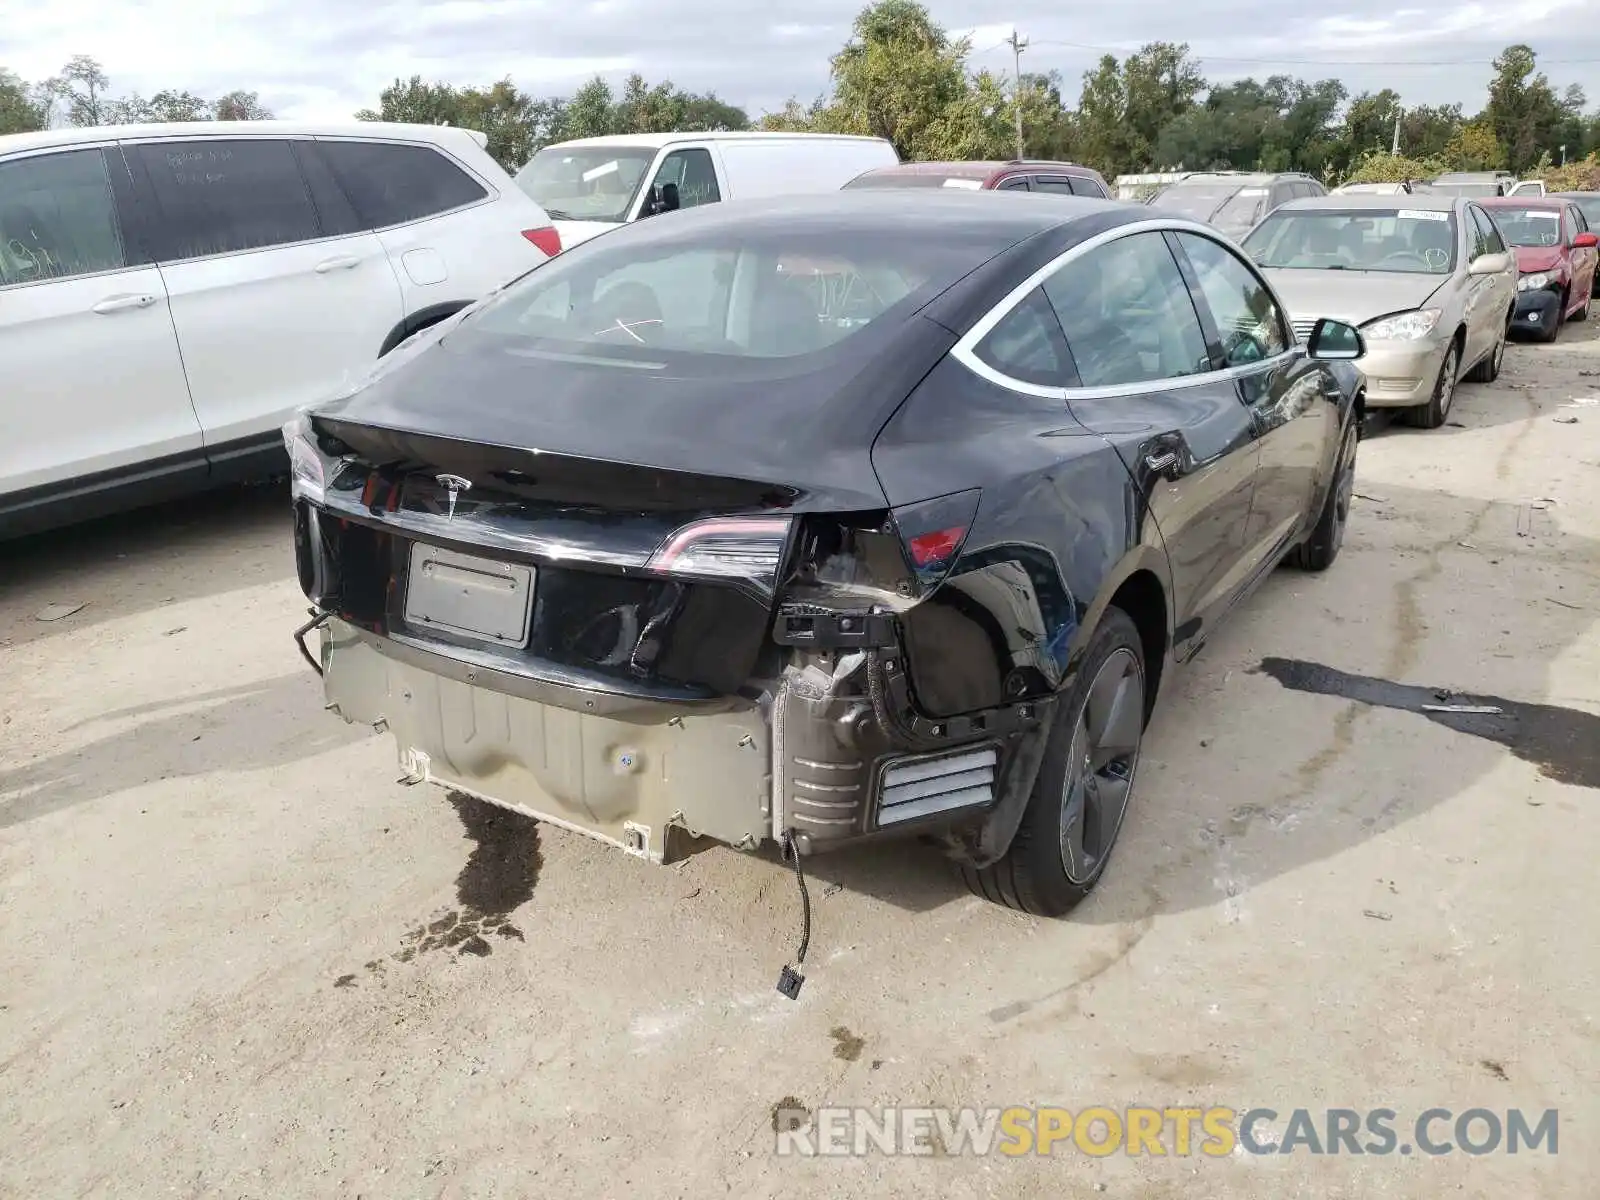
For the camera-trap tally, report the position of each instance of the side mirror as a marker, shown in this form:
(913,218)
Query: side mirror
(1335,341)
(663,198)
(1489,264)
(1587,240)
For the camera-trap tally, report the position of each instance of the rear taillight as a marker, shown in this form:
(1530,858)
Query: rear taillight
(933,533)
(748,549)
(546,238)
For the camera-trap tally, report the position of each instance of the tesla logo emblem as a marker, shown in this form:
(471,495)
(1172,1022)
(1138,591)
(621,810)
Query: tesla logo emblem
(454,485)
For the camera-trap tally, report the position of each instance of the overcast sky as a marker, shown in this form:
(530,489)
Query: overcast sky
(323,59)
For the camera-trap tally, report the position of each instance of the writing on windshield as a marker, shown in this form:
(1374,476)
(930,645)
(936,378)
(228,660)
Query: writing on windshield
(1405,241)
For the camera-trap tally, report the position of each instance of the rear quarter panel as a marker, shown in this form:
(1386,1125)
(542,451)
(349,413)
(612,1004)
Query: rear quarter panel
(1059,527)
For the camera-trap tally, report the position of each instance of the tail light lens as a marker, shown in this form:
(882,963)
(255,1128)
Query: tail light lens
(933,533)
(747,549)
(546,238)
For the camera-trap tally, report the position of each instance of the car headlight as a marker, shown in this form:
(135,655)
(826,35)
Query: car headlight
(1404,327)
(1533,282)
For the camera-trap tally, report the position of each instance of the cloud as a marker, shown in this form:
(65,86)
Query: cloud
(323,59)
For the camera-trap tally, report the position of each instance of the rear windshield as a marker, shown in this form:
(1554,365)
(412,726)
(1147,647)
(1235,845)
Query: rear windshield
(1403,240)
(1465,189)
(915,179)
(586,183)
(1201,201)
(1528,226)
(654,300)
(1589,206)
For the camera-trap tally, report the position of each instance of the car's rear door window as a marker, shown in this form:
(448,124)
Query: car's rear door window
(1028,345)
(391,183)
(1127,314)
(221,195)
(1082,185)
(58,218)
(1058,184)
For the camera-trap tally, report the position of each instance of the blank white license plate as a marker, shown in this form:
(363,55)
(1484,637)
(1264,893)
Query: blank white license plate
(469,596)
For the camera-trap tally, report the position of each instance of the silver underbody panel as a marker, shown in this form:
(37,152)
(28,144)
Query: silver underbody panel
(623,781)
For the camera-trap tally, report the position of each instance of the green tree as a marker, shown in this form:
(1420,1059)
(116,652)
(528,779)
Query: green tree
(1475,148)
(239,106)
(82,89)
(163,107)
(1105,140)
(897,76)
(1523,110)
(1160,83)
(20,111)
(414,102)
(591,111)
(505,115)
(1049,129)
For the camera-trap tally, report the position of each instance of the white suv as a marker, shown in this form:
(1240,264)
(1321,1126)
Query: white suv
(171,294)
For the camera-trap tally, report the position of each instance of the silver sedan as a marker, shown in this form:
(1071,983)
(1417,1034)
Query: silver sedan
(1428,279)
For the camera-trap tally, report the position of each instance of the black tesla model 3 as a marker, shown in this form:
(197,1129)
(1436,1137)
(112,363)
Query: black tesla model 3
(818,520)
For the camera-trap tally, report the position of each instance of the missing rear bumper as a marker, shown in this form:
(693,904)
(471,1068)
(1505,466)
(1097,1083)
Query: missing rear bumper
(831,756)
(625,781)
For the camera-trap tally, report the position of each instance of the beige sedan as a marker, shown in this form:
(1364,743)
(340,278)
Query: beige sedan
(1426,278)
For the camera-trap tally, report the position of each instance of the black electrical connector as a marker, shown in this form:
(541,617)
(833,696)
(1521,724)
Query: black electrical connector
(790,979)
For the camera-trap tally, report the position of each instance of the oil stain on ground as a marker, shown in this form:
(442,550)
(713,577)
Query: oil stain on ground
(846,1045)
(1563,743)
(499,877)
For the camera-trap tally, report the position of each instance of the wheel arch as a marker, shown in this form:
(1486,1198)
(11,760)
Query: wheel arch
(420,320)
(1141,586)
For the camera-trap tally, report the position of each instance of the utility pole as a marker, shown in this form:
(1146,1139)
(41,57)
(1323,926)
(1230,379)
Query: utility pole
(1018,45)
(1394,146)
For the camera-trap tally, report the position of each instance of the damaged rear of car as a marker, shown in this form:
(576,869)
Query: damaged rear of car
(806,522)
(610,548)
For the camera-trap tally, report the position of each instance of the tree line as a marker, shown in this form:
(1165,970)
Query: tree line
(81,95)
(903,77)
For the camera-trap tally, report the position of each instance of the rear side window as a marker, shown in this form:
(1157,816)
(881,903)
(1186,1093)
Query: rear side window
(219,196)
(390,184)
(1028,344)
(57,218)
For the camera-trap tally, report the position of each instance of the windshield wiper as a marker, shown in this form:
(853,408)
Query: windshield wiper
(555,214)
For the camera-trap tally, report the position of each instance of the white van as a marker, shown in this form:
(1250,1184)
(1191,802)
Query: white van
(171,294)
(590,185)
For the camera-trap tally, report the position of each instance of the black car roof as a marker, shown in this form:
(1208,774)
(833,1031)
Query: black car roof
(936,211)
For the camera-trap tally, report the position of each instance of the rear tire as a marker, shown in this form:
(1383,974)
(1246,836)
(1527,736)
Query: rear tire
(1322,545)
(1085,782)
(1488,369)
(1432,414)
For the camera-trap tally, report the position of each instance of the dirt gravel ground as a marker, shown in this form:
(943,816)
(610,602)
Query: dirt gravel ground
(242,960)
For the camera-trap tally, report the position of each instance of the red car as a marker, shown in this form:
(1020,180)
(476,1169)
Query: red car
(1020,175)
(1556,256)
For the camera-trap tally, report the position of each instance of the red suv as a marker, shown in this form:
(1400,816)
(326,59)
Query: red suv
(1018,175)
(1556,256)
